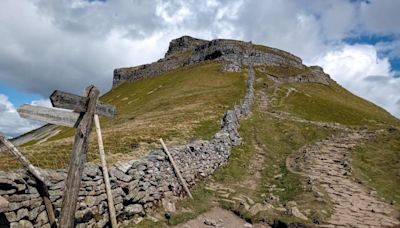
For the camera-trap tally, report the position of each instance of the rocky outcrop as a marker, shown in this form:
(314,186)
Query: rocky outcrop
(138,186)
(188,51)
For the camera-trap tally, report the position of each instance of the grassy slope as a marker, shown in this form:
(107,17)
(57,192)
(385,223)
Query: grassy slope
(330,104)
(376,162)
(179,106)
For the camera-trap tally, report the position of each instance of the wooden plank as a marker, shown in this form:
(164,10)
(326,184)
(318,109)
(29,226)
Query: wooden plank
(49,115)
(26,137)
(43,189)
(60,99)
(177,171)
(76,166)
(111,207)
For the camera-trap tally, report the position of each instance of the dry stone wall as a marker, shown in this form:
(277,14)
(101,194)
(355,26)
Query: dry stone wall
(138,186)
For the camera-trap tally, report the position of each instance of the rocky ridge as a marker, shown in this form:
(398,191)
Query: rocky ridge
(234,54)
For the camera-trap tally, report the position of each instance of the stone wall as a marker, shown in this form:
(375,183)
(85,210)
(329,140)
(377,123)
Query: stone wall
(138,186)
(188,51)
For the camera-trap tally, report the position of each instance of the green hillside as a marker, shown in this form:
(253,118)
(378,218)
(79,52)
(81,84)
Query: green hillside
(188,103)
(179,106)
(258,168)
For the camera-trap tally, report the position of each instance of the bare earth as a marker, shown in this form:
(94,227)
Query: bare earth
(218,217)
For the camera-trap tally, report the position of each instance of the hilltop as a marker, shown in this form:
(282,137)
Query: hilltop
(307,153)
(234,54)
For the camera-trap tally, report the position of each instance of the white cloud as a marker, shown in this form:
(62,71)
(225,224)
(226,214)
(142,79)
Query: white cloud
(359,69)
(11,123)
(68,45)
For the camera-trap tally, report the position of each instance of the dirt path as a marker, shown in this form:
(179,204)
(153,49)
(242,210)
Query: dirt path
(327,166)
(218,217)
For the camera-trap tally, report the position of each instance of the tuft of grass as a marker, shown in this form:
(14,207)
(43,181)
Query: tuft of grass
(201,203)
(377,163)
(206,129)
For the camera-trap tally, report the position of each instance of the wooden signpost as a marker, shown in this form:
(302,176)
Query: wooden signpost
(85,108)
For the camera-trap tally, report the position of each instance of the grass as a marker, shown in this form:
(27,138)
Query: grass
(278,139)
(201,203)
(329,104)
(377,163)
(178,106)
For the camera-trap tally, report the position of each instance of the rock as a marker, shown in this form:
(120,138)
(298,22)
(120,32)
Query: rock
(258,207)
(210,222)
(91,170)
(168,205)
(120,175)
(137,220)
(25,224)
(291,204)
(295,211)
(22,213)
(249,200)
(133,209)
(11,216)
(42,218)
(83,216)
(151,218)
(3,204)
(124,166)
(248,225)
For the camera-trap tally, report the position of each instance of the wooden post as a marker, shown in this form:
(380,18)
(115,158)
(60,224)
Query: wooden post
(73,182)
(178,173)
(43,189)
(111,207)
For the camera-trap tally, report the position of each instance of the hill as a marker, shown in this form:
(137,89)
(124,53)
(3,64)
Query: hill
(307,148)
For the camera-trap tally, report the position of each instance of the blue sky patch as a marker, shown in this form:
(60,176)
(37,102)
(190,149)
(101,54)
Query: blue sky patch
(17,97)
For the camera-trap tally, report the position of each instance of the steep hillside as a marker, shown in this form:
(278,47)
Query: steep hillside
(312,152)
(179,106)
(267,179)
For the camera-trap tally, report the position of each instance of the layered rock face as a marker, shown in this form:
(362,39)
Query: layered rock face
(188,51)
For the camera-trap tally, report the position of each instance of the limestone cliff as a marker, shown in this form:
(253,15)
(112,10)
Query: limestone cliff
(187,50)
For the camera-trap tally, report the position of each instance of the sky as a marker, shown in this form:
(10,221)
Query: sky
(69,44)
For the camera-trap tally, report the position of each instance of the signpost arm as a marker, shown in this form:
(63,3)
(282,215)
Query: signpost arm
(73,182)
(41,184)
(111,207)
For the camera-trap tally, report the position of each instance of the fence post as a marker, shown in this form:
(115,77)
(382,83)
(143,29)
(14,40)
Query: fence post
(111,207)
(177,171)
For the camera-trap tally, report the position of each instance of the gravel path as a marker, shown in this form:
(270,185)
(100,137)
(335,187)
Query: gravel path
(327,167)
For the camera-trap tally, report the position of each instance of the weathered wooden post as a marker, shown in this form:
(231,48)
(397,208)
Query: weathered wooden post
(43,189)
(79,150)
(110,199)
(176,169)
(87,107)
